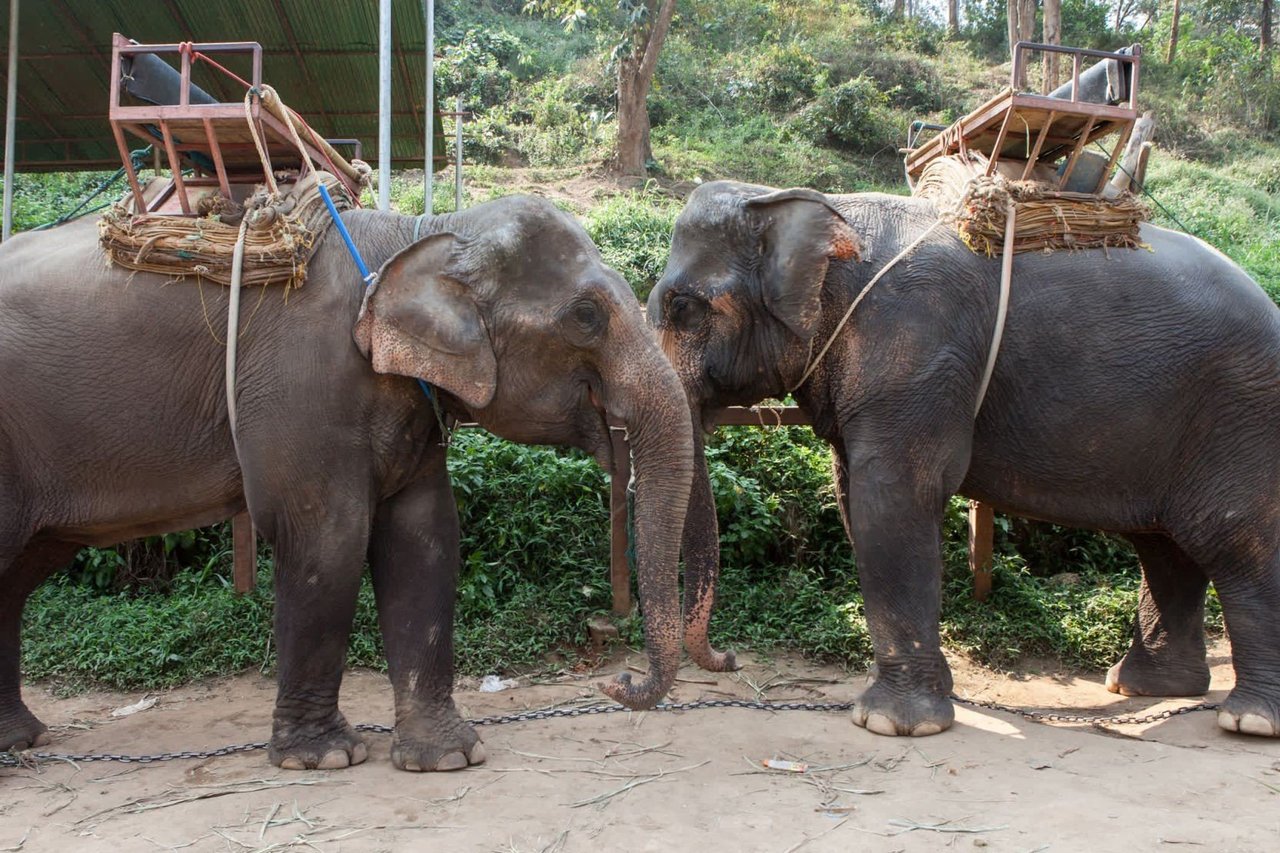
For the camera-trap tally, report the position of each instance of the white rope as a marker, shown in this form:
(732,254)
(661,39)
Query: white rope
(1006,278)
(233,324)
(257,140)
(866,288)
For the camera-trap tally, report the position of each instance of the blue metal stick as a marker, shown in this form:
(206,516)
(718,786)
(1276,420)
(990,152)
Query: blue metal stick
(366,276)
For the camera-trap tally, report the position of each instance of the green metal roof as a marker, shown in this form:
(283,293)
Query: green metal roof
(320,55)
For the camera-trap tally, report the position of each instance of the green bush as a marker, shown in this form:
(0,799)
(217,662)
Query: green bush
(785,77)
(479,67)
(633,232)
(852,115)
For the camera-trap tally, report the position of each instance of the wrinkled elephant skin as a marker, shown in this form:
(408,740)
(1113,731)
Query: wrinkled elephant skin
(114,426)
(1136,391)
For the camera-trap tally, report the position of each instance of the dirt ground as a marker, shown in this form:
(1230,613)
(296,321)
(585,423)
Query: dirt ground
(662,781)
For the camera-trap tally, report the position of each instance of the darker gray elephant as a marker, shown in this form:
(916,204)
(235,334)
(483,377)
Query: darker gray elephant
(114,425)
(1135,391)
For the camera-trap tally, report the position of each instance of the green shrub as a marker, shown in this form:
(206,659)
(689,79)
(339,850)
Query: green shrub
(633,232)
(785,77)
(479,67)
(852,115)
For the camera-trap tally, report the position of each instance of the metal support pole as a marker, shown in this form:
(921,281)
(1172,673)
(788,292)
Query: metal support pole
(457,154)
(384,104)
(429,109)
(10,120)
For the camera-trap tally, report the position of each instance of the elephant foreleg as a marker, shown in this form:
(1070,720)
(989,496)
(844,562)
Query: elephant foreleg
(414,558)
(317,579)
(1167,657)
(895,522)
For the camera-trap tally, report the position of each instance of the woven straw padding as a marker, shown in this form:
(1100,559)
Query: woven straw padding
(279,239)
(1046,219)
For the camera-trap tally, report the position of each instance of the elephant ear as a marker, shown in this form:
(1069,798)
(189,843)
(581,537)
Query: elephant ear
(419,321)
(802,233)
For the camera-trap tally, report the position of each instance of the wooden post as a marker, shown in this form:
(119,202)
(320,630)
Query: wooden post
(619,568)
(244,553)
(980,548)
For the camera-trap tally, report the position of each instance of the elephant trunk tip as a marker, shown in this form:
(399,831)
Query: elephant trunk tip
(701,653)
(637,697)
(713,661)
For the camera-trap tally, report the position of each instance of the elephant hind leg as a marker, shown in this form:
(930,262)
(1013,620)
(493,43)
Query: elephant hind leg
(1167,657)
(1250,607)
(19,576)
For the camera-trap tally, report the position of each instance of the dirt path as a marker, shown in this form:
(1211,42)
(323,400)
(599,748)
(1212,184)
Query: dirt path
(693,780)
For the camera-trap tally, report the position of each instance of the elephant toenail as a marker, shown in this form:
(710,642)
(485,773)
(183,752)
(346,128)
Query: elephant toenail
(881,725)
(452,761)
(359,754)
(412,767)
(1256,724)
(1228,721)
(1113,679)
(42,739)
(292,763)
(476,755)
(925,729)
(334,759)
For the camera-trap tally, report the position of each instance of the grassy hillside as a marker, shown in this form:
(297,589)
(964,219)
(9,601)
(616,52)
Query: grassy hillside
(781,93)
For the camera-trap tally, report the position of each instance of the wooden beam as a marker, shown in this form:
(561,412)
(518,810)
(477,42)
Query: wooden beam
(244,553)
(981,546)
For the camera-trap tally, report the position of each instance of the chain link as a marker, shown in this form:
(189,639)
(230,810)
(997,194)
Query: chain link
(26,758)
(1116,720)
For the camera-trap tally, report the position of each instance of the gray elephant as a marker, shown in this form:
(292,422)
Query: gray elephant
(114,425)
(1135,391)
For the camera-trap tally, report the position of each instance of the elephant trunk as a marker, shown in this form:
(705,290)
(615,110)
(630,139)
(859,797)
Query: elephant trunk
(652,405)
(701,545)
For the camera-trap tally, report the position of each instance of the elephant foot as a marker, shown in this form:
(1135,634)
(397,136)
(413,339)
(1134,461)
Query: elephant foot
(22,731)
(319,745)
(1142,675)
(888,712)
(426,745)
(1250,714)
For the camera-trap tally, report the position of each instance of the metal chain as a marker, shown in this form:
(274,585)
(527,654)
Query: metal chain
(1116,720)
(17,759)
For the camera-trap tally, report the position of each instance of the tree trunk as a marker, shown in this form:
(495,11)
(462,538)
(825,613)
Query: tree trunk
(953,17)
(1264,28)
(635,77)
(1014,31)
(1052,35)
(1173,31)
(899,6)
(1022,27)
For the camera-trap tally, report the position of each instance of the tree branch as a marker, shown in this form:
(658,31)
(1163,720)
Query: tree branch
(653,45)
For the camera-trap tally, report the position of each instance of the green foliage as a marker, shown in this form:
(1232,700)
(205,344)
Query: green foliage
(480,67)
(39,199)
(786,76)
(1230,209)
(852,115)
(633,232)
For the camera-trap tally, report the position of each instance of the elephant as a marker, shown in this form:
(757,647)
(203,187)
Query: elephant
(1136,391)
(115,426)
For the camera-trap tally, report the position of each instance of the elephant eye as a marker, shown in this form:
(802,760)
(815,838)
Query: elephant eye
(584,319)
(685,312)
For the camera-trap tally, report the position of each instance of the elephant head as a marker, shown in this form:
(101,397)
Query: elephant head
(512,312)
(737,311)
